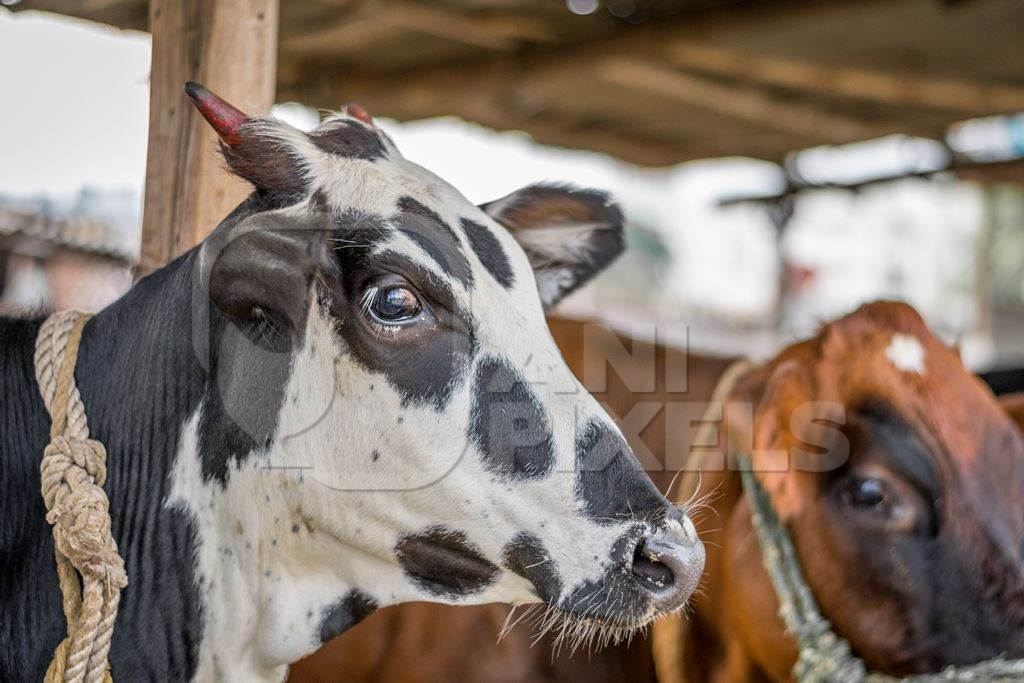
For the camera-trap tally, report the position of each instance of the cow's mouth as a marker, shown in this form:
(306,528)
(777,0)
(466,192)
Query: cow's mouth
(656,573)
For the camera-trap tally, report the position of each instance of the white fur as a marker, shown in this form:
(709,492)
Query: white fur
(906,353)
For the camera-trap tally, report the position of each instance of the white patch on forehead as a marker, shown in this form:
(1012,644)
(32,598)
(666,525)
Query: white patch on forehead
(906,353)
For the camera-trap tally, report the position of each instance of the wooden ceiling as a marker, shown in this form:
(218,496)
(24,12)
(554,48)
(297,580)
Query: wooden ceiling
(663,82)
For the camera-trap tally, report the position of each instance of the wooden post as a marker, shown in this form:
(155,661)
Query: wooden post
(230,46)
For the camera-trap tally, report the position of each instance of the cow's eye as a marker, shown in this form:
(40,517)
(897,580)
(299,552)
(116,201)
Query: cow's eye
(392,305)
(868,493)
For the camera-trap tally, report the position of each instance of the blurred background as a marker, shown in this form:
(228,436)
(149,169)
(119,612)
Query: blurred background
(779,161)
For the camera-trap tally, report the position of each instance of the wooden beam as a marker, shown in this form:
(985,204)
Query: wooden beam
(231,47)
(906,89)
(493,33)
(352,34)
(735,101)
(497,32)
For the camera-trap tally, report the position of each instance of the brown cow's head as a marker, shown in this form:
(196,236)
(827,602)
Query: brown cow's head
(905,499)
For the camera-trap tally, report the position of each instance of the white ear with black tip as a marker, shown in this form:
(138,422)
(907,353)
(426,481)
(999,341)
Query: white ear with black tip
(569,234)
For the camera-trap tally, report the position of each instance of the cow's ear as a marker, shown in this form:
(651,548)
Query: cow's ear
(261,268)
(568,234)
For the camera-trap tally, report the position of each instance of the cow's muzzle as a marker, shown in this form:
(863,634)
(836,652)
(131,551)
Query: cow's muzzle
(667,564)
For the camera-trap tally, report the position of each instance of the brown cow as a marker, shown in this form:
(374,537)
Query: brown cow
(911,544)
(912,547)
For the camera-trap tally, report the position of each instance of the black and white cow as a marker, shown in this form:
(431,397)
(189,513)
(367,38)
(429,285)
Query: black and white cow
(346,397)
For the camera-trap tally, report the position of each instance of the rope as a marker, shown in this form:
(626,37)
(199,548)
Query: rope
(73,470)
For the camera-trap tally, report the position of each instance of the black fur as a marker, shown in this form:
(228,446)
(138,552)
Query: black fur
(610,483)
(554,208)
(351,139)
(346,613)
(139,378)
(444,563)
(145,364)
(443,347)
(488,250)
(269,166)
(263,266)
(525,555)
(434,236)
(616,597)
(247,317)
(508,424)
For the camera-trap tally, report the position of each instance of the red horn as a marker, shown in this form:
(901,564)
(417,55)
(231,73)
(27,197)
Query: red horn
(224,118)
(357,112)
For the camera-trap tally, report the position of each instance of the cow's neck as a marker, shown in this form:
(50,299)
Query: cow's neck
(139,382)
(196,515)
(276,582)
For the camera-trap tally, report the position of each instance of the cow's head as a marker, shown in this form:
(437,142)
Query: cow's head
(906,503)
(424,439)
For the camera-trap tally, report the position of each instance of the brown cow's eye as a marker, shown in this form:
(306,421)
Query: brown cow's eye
(392,305)
(868,493)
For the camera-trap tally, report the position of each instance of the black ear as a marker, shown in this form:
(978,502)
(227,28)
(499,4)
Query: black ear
(262,267)
(568,234)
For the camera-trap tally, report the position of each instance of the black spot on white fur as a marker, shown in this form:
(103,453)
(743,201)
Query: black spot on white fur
(443,350)
(434,236)
(610,483)
(346,613)
(508,423)
(488,249)
(355,228)
(616,596)
(525,555)
(444,563)
(352,140)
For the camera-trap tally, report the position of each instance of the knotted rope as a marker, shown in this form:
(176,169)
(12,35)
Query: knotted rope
(823,657)
(73,470)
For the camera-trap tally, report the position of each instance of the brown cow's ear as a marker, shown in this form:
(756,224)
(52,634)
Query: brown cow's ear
(568,234)
(262,267)
(255,149)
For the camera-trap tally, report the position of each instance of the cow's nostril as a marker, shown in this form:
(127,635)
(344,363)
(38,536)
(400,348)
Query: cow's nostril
(668,564)
(649,570)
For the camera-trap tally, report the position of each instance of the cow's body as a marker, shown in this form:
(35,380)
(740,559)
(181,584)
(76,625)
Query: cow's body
(346,397)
